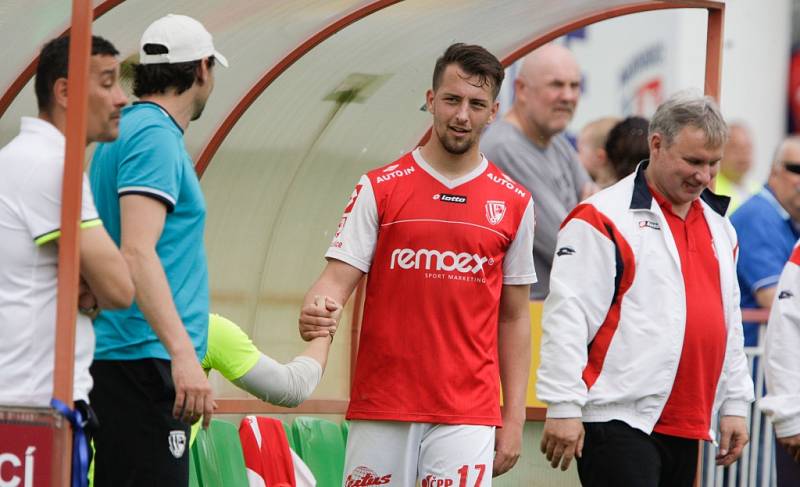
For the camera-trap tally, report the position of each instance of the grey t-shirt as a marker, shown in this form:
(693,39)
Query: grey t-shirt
(555,179)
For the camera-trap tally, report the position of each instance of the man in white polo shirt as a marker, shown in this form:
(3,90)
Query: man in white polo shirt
(32,166)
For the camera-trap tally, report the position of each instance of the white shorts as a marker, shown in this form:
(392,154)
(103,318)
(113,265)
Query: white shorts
(418,454)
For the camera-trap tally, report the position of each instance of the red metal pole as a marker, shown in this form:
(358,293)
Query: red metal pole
(714,42)
(68,246)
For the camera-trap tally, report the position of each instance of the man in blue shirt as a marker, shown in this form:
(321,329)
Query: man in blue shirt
(149,385)
(768,225)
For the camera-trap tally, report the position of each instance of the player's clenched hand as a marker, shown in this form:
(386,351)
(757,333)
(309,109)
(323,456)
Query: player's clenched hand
(562,441)
(507,447)
(193,395)
(87,302)
(318,320)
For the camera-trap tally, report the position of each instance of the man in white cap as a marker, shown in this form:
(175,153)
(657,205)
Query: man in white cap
(149,385)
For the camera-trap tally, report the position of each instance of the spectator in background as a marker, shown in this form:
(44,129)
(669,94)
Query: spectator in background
(626,146)
(768,225)
(149,385)
(737,159)
(529,146)
(782,368)
(592,151)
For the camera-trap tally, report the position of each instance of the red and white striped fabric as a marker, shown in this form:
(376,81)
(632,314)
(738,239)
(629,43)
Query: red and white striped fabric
(269,460)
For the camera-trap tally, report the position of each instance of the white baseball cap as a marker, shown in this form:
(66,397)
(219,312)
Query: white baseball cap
(185,39)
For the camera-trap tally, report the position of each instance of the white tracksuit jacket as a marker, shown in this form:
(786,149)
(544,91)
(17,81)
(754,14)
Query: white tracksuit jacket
(614,320)
(782,402)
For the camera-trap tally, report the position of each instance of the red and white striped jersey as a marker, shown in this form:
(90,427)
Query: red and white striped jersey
(438,252)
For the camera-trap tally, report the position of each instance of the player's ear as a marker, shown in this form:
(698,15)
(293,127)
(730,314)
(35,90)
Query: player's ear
(429,101)
(59,94)
(495,108)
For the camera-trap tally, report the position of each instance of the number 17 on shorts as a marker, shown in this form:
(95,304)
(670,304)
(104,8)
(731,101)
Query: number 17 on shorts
(467,477)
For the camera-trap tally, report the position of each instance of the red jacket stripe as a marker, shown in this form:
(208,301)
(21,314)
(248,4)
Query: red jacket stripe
(795,257)
(625,267)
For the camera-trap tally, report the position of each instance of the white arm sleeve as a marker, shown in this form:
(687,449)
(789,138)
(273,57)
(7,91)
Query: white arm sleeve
(284,385)
(355,239)
(782,360)
(518,263)
(41,200)
(581,290)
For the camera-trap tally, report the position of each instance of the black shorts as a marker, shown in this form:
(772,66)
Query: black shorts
(138,442)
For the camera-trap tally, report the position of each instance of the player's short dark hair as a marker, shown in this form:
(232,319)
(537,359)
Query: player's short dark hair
(473,60)
(151,79)
(54,64)
(626,145)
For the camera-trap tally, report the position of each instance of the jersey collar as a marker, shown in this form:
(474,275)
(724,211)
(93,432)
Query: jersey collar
(449,183)
(163,110)
(642,198)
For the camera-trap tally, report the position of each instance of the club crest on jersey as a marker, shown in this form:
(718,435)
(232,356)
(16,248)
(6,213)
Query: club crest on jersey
(177,443)
(495,211)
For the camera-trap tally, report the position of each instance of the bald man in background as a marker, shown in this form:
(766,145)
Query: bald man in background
(528,144)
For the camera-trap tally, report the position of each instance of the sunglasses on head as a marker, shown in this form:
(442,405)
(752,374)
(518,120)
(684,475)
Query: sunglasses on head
(792,166)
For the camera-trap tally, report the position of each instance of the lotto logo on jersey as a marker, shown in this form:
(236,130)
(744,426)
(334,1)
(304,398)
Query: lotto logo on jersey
(363,476)
(450,198)
(447,260)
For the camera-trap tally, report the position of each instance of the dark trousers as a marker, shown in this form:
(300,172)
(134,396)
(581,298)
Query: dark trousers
(615,454)
(138,443)
(788,471)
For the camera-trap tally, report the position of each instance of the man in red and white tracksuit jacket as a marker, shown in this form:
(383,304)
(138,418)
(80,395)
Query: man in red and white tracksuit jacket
(642,336)
(782,365)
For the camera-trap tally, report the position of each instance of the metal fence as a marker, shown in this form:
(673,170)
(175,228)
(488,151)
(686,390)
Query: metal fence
(756,467)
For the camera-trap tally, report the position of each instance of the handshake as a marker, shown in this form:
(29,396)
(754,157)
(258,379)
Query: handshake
(319,319)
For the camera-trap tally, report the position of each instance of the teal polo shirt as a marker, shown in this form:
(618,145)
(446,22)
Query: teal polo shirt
(149,158)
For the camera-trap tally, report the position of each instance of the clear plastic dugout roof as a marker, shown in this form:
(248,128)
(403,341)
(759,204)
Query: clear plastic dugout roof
(317,92)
